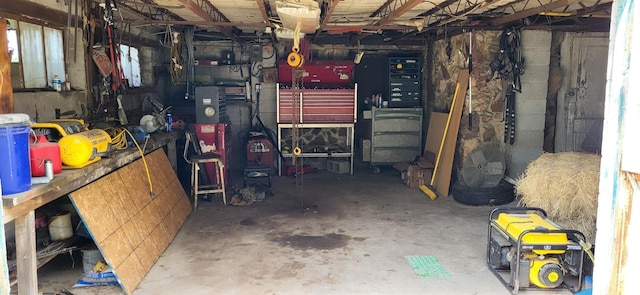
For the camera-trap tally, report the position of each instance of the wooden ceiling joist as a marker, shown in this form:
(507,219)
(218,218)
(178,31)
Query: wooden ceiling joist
(532,11)
(206,11)
(202,23)
(144,10)
(389,16)
(389,11)
(263,10)
(332,6)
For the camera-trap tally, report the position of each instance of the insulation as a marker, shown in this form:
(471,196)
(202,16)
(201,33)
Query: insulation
(566,186)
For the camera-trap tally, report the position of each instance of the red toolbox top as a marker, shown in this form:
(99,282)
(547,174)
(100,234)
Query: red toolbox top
(319,72)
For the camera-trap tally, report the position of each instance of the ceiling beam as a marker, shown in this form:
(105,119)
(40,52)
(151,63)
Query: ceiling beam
(440,6)
(381,8)
(389,13)
(202,23)
(263,10)
(532,11)
(332,6)
(206,11)
(248,25)
(404,8)
(148,10)
(266,15)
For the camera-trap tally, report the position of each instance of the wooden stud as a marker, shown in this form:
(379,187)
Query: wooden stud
(27,268)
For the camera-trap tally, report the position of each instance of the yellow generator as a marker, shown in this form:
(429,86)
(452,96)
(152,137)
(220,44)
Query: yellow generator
(81,149)
(526,250)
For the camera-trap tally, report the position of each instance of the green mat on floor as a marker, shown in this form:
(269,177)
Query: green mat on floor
(427,267)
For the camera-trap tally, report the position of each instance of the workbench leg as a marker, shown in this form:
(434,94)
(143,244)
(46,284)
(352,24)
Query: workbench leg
(5,285)
(27,262)
(172,155)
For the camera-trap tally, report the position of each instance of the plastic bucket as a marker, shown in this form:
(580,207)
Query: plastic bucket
(15,171)
(90,258)
(60,227)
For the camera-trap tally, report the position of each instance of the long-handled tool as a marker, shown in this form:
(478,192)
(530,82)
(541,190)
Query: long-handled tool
(470,69)
(430,190)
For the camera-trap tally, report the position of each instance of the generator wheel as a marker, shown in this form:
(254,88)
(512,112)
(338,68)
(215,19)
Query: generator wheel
(500,194)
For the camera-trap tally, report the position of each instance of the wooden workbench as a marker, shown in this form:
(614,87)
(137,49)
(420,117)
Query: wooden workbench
(21,207)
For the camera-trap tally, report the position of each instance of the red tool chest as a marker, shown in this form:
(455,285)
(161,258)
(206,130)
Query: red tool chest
(334,105)
(323,72)
(215,139)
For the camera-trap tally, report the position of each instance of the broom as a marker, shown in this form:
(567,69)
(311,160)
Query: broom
(430,190)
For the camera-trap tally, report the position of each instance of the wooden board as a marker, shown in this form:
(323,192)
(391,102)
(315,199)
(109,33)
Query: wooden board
(442,175)
(129,227)
(435,132)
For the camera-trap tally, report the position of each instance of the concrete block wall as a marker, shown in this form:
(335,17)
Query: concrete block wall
(530,104)
(268,107)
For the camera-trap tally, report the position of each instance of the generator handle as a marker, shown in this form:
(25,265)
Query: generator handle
(494,213)
(569,232)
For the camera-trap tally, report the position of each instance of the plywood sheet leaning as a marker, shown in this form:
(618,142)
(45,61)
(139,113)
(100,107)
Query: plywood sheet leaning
(437,137)
(435,132)
(131,229)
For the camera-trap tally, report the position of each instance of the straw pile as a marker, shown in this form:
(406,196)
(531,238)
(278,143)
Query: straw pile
(566,186)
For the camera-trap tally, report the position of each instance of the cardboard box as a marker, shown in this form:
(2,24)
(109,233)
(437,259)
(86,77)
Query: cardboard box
(366,150)
(417,172)
(415,176)
(339,167)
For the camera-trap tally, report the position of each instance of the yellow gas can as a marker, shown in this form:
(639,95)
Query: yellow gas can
(81,149)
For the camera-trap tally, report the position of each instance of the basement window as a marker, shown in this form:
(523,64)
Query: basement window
(37,55)
(130,65)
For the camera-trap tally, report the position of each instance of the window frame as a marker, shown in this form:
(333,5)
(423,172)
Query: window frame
(47,71)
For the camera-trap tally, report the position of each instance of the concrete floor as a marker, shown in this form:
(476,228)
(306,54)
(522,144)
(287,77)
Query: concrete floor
(352,239)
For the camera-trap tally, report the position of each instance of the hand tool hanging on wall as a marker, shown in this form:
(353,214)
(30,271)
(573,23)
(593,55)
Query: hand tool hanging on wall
(449,48)
(509,64)
(75,32)
(67,29)
(470,70)
(114,53)
(509,115)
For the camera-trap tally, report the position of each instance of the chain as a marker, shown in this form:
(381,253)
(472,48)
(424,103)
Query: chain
(296,91)
(295,112)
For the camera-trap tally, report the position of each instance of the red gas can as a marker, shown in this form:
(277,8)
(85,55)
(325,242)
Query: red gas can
(42,150)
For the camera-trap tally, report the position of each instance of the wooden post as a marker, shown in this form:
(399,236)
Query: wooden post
(27,262)
(6,92)
(5,286)
(617,261)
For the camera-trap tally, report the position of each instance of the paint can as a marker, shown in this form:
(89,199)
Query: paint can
(90,258)
(15,171)
(60,226)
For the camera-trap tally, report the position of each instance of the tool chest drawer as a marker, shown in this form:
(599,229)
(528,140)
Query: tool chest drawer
(328,105)
(396,134)
(400,85)
(404,82)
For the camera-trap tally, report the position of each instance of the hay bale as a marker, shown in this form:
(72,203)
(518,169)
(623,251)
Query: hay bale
(566,186)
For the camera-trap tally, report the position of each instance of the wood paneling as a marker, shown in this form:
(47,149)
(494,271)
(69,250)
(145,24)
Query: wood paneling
(131,229)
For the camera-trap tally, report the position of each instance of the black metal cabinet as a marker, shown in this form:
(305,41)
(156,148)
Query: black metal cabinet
(404,82)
